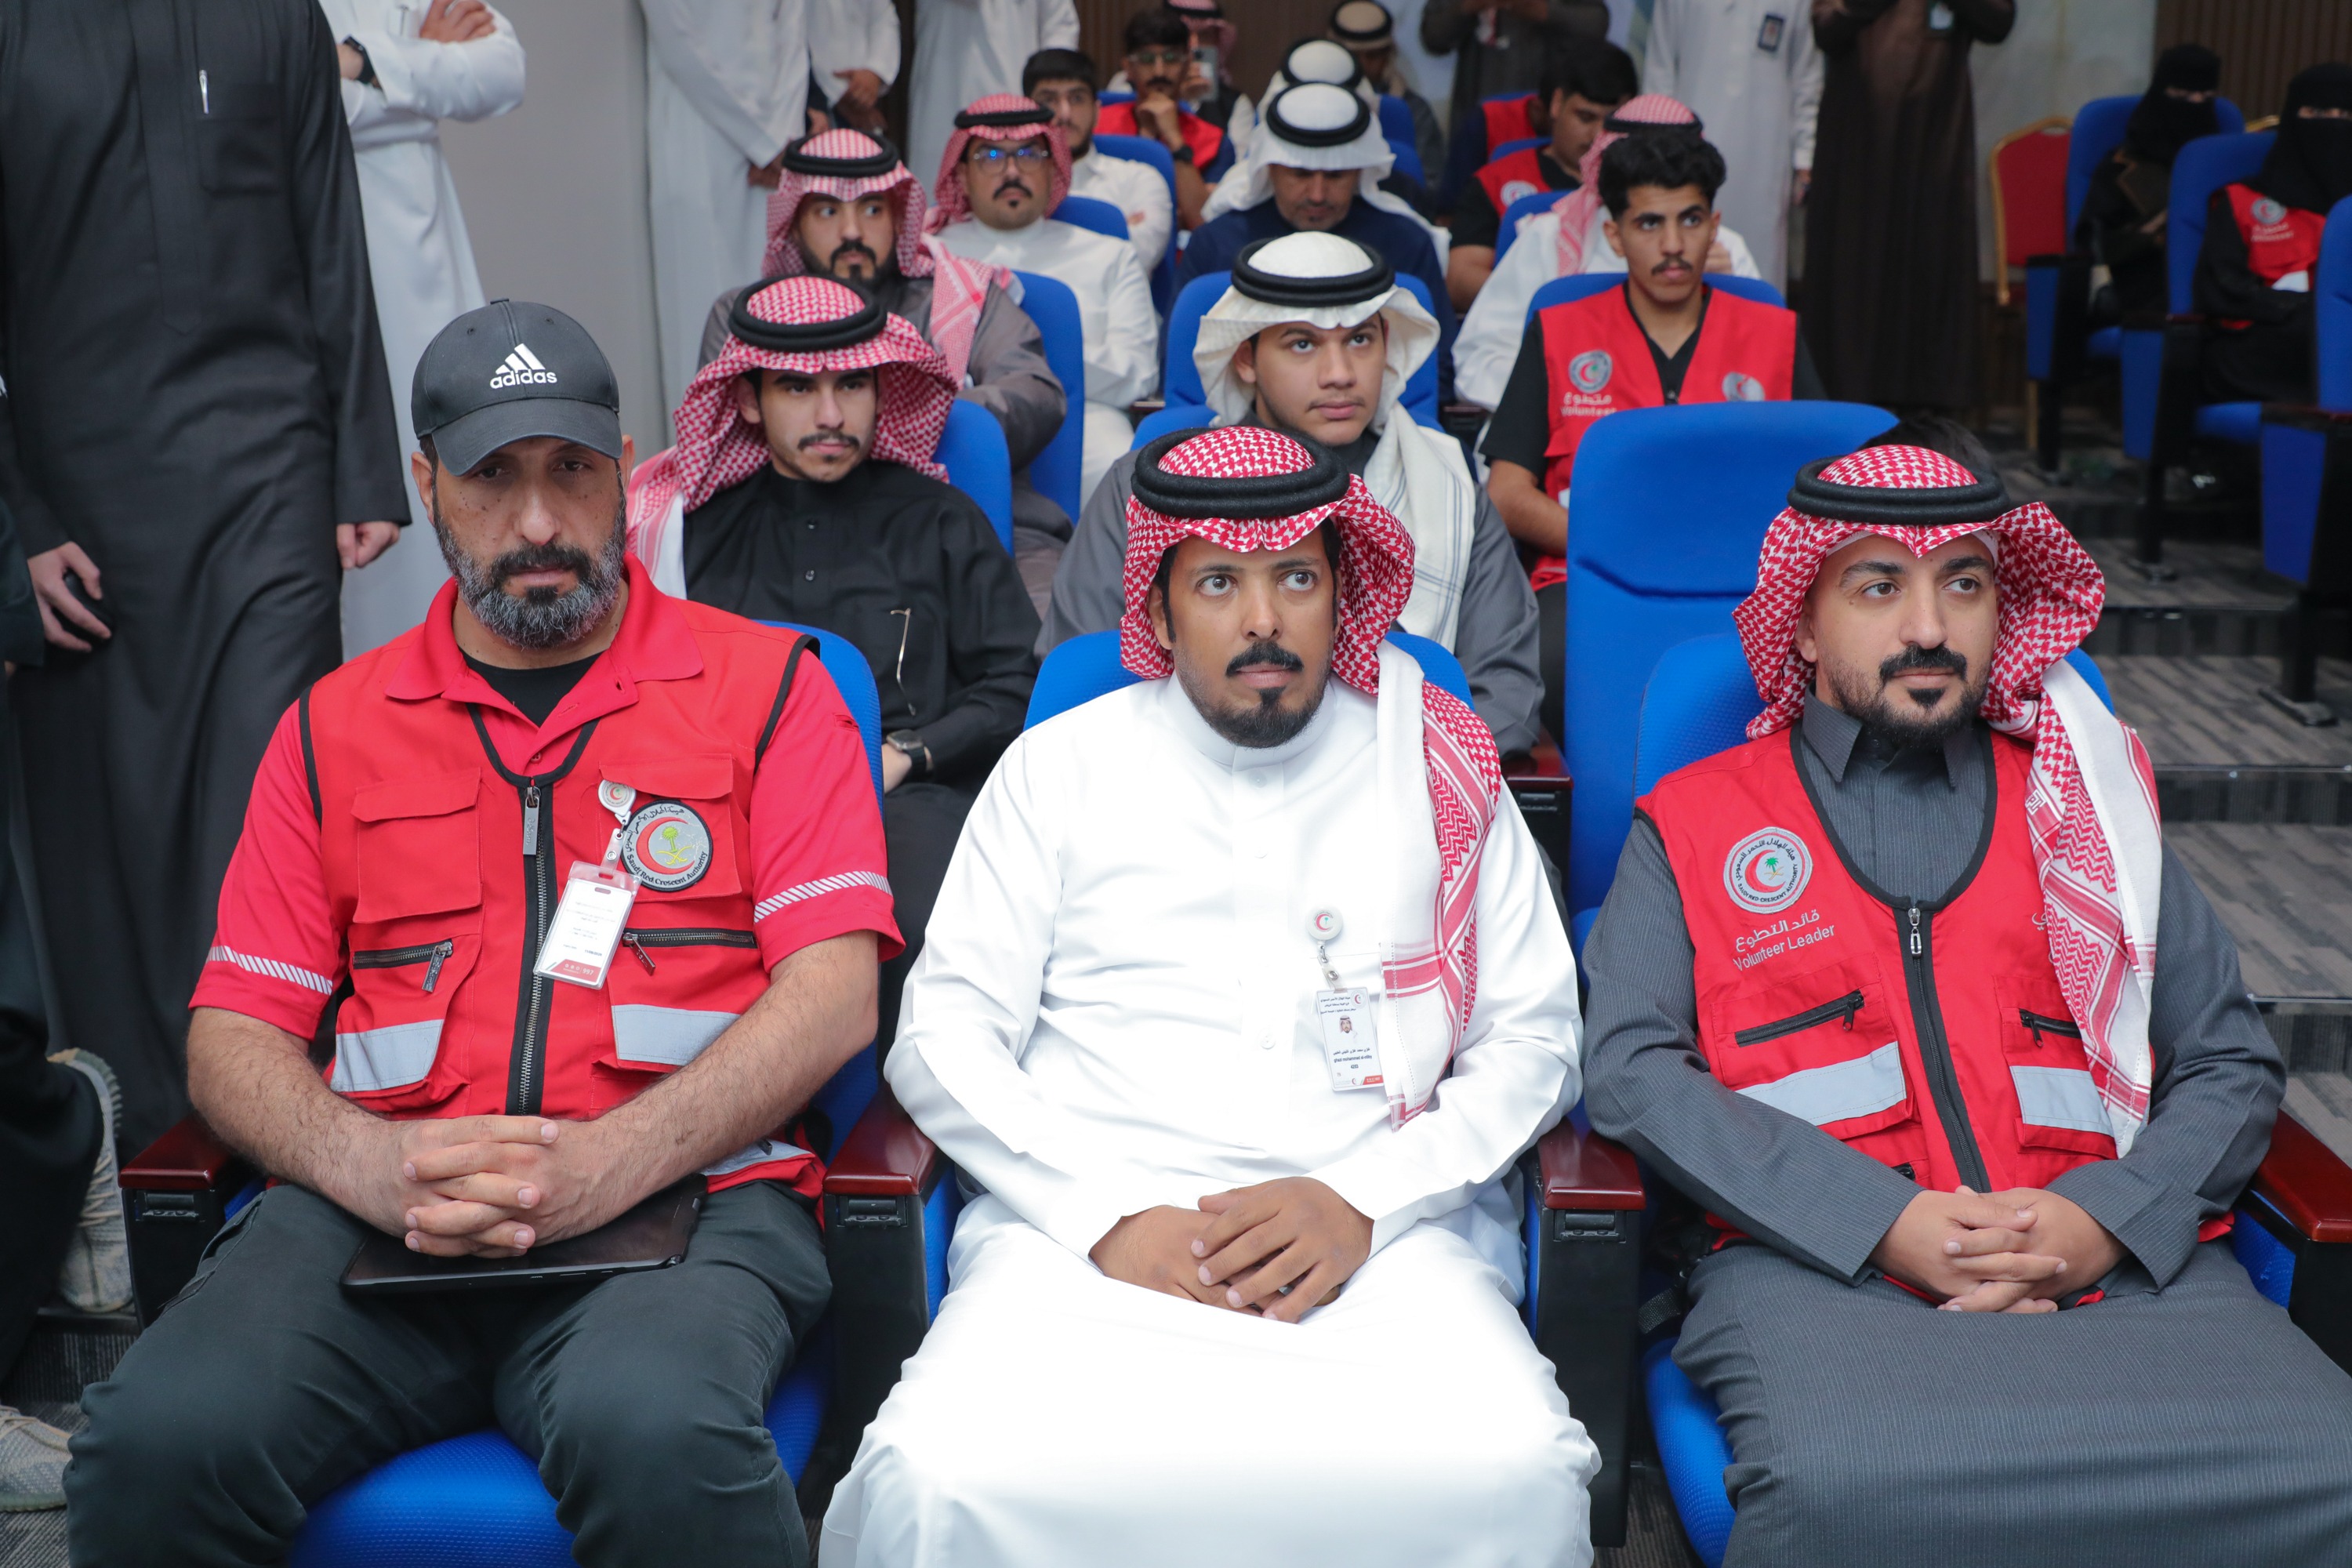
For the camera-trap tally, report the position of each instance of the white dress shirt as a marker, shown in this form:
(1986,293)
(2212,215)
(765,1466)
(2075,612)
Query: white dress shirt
(1135,189)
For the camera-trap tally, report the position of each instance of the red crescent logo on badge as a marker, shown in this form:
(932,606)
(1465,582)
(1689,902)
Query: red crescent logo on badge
(1589,371)
(667,846)
(1767,870)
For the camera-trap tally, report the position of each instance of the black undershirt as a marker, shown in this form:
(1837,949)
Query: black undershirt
(534,692)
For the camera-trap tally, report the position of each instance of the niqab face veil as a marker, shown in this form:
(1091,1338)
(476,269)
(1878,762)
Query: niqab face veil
(2310,164)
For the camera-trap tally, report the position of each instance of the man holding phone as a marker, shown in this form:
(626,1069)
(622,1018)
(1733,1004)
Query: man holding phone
(594,880)
(1158,65)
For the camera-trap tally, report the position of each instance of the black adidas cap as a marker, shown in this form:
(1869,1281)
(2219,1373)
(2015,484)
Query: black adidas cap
(509,371)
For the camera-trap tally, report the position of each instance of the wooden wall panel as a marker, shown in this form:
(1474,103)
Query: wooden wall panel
(2261,42)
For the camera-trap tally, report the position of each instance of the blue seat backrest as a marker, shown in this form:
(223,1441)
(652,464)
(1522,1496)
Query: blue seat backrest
(1584,285)
(1516,144)
(1638,583)
(1518,213)
(1093,213)
(1701,697)
(1181,378)
(1406,161)
(1396,118)
(1175,417)
(1088,666)
(1144,150)
(2333,308)
(2099,131)
(1050,302)
(972,449)
(2202,167)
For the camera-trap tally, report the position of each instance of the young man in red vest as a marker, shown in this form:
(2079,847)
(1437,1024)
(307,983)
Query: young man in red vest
(1583,83)
(1159,62)
(591,880)
(1664,336)
(2255,277)
(1908,995)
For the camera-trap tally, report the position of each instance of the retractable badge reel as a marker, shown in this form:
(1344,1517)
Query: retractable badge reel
(1350,1046)
(595,908)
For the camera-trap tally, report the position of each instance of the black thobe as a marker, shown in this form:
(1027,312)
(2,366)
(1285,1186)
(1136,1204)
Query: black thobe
(909,570)
(2266,354)
(1889,298)
(198,397)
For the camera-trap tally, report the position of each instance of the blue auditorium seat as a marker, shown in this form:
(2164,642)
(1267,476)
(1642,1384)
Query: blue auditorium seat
(972,449)
(1175,417)
(1584,285)
(1516,144)
(477,1501)
(1092,213)
(1179,378)
(1144,150)
(1407,161)
(1518,214)
(1396,118)
(1056,471)
(1088,666)
(1639,582)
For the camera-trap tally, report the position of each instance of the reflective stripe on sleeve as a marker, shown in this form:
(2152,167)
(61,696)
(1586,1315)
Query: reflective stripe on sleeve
(669,1037)
(2060,1096)
(293,974)
(1839,1092)
(818,889)
(392,1056)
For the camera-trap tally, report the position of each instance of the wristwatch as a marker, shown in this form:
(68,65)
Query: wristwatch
(367,66)
(1181,151)
(909,744)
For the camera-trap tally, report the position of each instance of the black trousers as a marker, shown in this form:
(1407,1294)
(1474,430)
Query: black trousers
(921,824)
(265,1385)
(1551,643)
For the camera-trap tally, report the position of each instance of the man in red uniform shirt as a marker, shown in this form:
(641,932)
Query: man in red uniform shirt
(1159,61)
(427,830)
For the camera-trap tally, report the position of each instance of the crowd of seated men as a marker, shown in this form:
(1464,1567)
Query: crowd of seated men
(1234,996)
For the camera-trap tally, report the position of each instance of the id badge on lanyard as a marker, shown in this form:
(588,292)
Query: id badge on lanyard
(1351,1048)
(594,909)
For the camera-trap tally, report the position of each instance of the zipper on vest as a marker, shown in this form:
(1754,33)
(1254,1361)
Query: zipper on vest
(1843,1009)
(1916,930)
(683,936)
(2038,1025)
(523,1085)
(432,954)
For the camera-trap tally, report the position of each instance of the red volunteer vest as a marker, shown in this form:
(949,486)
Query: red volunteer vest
(1509,119)
(1507,180)
(2280,239)
(1598,362)
(1936,1040)
(423,836)
(1204,139)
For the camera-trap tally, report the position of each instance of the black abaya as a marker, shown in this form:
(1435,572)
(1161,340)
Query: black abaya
(198,397)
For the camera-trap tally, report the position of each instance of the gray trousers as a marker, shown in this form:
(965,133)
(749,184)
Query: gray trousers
(265,1385)
(2193,1425)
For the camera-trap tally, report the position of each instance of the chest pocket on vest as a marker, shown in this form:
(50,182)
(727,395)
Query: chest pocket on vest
(415,935)
(680,839)
(1816,1045)
(2058,1104)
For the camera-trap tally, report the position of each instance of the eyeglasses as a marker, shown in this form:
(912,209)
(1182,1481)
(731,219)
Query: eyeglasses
(997,157)
(1169,57)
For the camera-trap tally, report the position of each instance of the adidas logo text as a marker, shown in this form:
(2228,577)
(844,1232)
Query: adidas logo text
(521,368)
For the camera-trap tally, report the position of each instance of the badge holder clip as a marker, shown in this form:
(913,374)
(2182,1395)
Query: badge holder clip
(589,922)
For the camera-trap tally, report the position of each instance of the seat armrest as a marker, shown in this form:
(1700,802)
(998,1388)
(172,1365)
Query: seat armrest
(887,1213)
(1583,1169)
(885,1155)
(176,1196)
(2302,1194)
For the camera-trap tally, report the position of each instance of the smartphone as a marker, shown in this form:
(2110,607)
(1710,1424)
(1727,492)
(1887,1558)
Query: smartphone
(1206,57)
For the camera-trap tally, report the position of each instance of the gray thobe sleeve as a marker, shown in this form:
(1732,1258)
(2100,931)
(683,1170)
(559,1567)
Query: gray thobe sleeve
(1089,584)
(1780,1178)
(2219,1081)
(1498,637)
(714,326)
(1010,379)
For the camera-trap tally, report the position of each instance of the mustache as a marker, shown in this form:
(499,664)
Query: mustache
(825,437)
(852,248)
(1015,183)
(1913,659)
(1269,655)
(548,557)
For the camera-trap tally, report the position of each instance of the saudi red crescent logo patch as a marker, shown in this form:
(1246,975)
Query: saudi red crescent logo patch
(667,846)
(1767,870)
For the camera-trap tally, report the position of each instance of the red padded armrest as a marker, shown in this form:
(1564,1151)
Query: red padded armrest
(187,1159)
(1585,1171)
(1542,765)
(2305,415)
(885,1155)
(2304,1180)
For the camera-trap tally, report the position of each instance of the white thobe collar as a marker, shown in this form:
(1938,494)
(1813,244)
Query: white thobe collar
(1186,720)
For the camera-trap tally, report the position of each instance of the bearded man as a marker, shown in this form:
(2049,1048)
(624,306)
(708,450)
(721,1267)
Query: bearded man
(1243,994)
(493,1087)
(1909,995)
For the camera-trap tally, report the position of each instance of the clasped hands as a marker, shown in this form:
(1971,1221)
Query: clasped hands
(1278,1249)
(489,1187)
(2014,1251)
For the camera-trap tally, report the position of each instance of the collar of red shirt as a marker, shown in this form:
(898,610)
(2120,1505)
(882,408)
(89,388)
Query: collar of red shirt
(654,644)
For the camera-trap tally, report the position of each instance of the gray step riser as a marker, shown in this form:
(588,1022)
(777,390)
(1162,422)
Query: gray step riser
(2147,630)
(2315,797)
(2313,1034)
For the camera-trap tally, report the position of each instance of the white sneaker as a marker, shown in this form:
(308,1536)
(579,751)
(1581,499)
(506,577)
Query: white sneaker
(32,1463)
(96,1275)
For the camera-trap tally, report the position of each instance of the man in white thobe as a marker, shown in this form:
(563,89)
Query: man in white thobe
(1063,81)
(1240,1036)
(1007,165)
(1750,69)
(407,65)
(966,49)
(726,87)
(853,51)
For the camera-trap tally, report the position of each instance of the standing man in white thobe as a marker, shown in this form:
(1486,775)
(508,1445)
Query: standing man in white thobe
(726,87)
(406,66)
(966,49)
(1751,72)
(1239,1032)
(853,44)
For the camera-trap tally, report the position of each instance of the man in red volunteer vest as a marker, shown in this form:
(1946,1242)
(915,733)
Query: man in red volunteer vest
(1908,995)
(591,880)
(2255,277)
(1584,82)
(1665,336)
(1158,64)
